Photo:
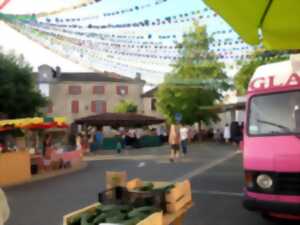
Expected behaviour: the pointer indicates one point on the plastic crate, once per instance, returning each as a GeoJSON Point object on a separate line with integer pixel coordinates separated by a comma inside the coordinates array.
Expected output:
{"type": "Point", "coordinates": [122, 196]}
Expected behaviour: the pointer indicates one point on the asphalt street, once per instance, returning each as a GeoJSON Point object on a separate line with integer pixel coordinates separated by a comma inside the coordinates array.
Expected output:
{"type": "Point", "coordinates": [215, 171]}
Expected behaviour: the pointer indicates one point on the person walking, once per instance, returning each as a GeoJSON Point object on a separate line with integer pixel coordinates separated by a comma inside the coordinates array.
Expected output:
{"type": "Point", "coordinates": [174, 141]}
{"type": "Point", "coordinates": [78, 142]}
{"type": "Point", "coordinates": [4, 208]}
{"type": "Point", "coordinates": [226, 133]}
{"type": "Point", "coordinates": [98, 138]}
{"type": "Point", "coordinates": [184, 136]}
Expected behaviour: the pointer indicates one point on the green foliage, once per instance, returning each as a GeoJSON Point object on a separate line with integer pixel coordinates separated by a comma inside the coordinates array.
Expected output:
{"type": "Point", "coordinates": [248, 67]}
{"type": "Point", "coordinates": [18, 94]}
{"type": "Point", "coordinates": [126, 106]}
{"type": "Point", "coordinates": [196, 82]}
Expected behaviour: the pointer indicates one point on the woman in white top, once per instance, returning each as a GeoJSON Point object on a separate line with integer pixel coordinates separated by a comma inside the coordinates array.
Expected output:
{"type": "Point", "coordinates": [184, 136]}
{"type": "Point", "coordinates": [226, 133]}
{"type": "Point", "coordinates": [4, 209]}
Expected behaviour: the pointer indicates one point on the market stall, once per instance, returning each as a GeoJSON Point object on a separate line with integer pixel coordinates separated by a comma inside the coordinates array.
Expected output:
{"type": "Point", "coordinates": [24, 150]}
{"type": "Point", "coordinates": [129, 121]}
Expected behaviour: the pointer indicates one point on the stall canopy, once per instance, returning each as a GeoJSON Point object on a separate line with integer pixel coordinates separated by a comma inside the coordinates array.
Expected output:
{"type": "Point", "coordinates": [276, 20]}
{"type": "Point", "coordinates": [119, 120]}
{"type": "Point", "coordinates": [33, 123]}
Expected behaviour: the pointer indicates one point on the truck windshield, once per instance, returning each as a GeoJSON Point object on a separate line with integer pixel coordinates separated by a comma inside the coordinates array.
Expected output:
{"type": "Point", "coordinates": [275, 114]}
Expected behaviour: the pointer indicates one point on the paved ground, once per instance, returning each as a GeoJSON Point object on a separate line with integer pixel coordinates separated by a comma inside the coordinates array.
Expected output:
{"type": "Point", "coordinates": [215, 171]}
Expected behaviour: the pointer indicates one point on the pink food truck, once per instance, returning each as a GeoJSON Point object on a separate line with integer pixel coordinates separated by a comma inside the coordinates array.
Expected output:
{"type": "Point", "coordinates": [272, 140]}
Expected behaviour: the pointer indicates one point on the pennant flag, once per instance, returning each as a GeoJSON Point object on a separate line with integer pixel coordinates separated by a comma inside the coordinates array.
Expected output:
{"type": "Point", "coordinates": [3, 3]}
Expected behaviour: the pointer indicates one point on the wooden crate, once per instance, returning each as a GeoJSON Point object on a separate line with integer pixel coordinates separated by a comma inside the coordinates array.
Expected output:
{"type": "Point", "coordinates": [135, 183]}
{"type": "Point", "coordinates": [115, 178]}
{"type": "Point", "coordinates": [179, 196]}
{"type": "Point", "coordinates": [154, 219]}
{"type": "Point", "coordinates": [76, 214]}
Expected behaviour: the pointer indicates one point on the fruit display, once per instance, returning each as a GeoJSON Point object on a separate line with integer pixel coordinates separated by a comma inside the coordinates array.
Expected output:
{"type": "Point", "coordinates": [114, 214]}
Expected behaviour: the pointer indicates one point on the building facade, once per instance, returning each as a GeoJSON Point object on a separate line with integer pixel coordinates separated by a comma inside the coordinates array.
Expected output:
{"type": "Point", "coordinates": [149, 104]}
{"type": "Point", "coordinates": [76, 95]}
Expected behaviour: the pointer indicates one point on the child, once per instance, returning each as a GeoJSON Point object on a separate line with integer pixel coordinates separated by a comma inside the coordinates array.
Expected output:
{"type": "Point", "coordinates": [119, 147]}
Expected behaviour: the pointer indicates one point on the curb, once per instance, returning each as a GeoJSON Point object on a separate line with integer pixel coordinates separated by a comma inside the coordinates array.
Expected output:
{"type": "Point", "coordinates": [45, 176]}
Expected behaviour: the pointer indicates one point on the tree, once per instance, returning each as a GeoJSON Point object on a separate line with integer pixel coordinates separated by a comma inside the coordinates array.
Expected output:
{"type": "Point", "coordinates": [248, 67]}
{"type": "Point", "coordinates": [196, 82]}
{"type": "Point", "coordinates": [18, 94]}
{"type": "Point", "coordinates": [126, 107]}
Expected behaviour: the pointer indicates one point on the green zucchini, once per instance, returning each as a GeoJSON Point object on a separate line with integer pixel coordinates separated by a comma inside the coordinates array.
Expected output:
{"type": "Point", "coordinates": [147, 187]}
{"type": "Point", "coordinates": [140, 210]}
{"type": "Point", "coordinates": [116, 219]}
{"type": "Point", "coordinates": [99, 219]}
{"type": "Point", "coordinates": [98, 209]}
{"type": "Point", "coordinates": [107, 208]}
{"type": "Point", "coordinates": [75, 221]}
{"type": "Point", "coordinates": [125, 208]}
{"type": "Point", "coordinates": [85, 218]}
{"type": "Point", "coordinates": [165, 189]}
{"type": "Point", "coordinates": [103, 216]}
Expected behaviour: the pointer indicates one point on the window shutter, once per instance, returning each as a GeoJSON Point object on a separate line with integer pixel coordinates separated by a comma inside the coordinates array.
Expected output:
{"type": "Point", "coordinates": [126, 90]}
{"type": "Point", "coordinates": [104, 107]}
{"type": "Point", "coordinates": [75, 106]}
{"type": "Point", "coordinates": [122, 90]}
{"type": "Point", "coordinates": [74, 90]}
{"type": "Point", "coordinates": [93, 106]}
{"type": "Point", "coordinates": [100, 90]}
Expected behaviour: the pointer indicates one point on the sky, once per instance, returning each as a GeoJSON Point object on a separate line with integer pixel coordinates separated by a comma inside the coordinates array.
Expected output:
{"type": "Point", "coordinates": [35, 6]}
{"type": "Point", "coordinates": [33, 53]}
{"type": "Point", "coordinates": [36, 54]}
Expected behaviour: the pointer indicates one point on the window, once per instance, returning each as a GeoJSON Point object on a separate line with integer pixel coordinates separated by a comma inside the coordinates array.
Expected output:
{"type": "Point", "coordinates": [153, 104]}
{"type": "Point", "coordinates": [122, 90]}
{"type": "Point", "coordinates": [275, 114]}
{"type": "Point", "coordinates": [75, 106]}
{"type": "Point", "coordinates": [74, 90]}
{"type": "Point", "coordinates": [98, 106]}
{"type": "Point", "coordinates": [98, 90]}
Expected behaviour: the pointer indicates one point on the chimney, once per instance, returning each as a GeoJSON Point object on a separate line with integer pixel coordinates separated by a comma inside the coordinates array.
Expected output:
{"type": "Point", "coordinates": [57, 72]}
{"type": "Point", "coordinates": [138, 76]}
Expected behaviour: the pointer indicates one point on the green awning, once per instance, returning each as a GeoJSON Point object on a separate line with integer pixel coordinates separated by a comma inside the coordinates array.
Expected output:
{"type": "Point", "coordinates": [277, 20]}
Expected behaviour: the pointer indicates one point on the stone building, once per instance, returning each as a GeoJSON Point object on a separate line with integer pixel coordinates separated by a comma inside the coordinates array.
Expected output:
{"type": "Point", "coordinates": [76, 95]}
{"type": "Point", "coordinates": [149, 103]}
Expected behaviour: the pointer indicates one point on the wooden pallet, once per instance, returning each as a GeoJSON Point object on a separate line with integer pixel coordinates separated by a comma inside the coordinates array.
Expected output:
{"type": "Point", "coordinates": [154, 219]}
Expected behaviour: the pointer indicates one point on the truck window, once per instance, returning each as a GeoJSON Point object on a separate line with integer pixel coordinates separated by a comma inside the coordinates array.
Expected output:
{"type": "Point", "coordinates": [275, 114]}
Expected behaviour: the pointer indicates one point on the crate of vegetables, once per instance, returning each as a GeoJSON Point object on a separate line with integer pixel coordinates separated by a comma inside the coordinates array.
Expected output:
{"type": "Point", "coordinates": [98, 214]}
{"type": "Point", "coordinates": [171, 197]}
{"type": "Point", "coordinates": [146, 195]}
